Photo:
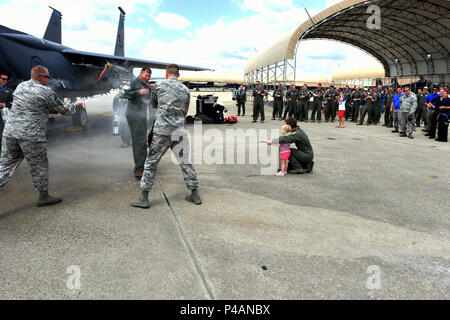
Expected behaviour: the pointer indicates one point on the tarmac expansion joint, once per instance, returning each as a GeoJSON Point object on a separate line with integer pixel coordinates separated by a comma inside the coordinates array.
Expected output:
{"type": "Point", "coordinates": [187, 245]}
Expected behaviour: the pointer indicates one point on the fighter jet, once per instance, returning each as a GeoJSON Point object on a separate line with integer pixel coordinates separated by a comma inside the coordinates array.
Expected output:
{"type": "Point", "coordinates": [75, 74]}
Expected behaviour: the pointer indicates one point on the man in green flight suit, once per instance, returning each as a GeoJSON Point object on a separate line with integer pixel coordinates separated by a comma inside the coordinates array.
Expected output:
{"type": "Point", "coordinates": [379, 104]}
{"type": "Point", "coordinates": [277, 102]}
{"type": "Point", "coordinates": [331, 98]}
{"type": "Point", "coordinates": [303, 96]}
{"type": "Point", "coordinates": [301, 160]}
{"type": "Point", "coordinates": [421, 109]}
{"type": "Point", "coordinates": [291, 102]}
{"type": "Point", "coordinates": [138, 95]}
{"type": "Point", "coordinates": [369, 108]}
{"type": "Point", "coordinates": [318, 95]}
{"type": "Point", "coordinates": [356, 103]}
{"type": "Point", "coordinates": [259, 94]}
{"type": "Point", "coordinates": [348, 102]}
{"type": "Point", "coordinates": [388, 119]}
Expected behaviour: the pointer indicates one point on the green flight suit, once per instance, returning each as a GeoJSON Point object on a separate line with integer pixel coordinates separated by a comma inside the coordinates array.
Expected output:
{"type": "Point", "coordinates": [421, 109]}
{"type": "Point", "coordinates": [136, 115]}
{"type": "Point", "coordinates": [369, 109]}
{"type": "Point", "coordinates": [291, 103]}
{"type": "Point", "coordinates": [388, 118]}
{"type": "Point", "coordinates": [317, 104]}
{"type": "Point", "coordinates": [303, 106]}
{"type": "Point", "coordinates": [379, 106]}
{"type": "Point", "coordinates": [277, 103]}
{"type": "Point", "coordinates": [348, 103]}
{"type": "Point", "coordinates": [303, 156]}
{"type": "Point", "coordinates": [330, 112]}
{"type": "Point", "coordinates": [258, 103]}
{"type": "Point", "coordinates": [356, 103]}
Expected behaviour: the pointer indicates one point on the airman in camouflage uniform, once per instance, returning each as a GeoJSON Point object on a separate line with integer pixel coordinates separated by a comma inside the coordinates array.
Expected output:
{"type": "Point", "coordinates": [317, 104]}
{"type": "Point", "coordinates": [291, 102]}
{"type": "Point", "coordinates": [137, 93]}
{"type": "Point", "coordinates": [25, 132]}
{"type": "Point", "coordinates": [408, 106]}
{"type": "Point", "coordinates": [171, 99]}
{"type": "Point", "coordinates": [5, 102]}
{"type": "Point", "coordinates": [303, 97]}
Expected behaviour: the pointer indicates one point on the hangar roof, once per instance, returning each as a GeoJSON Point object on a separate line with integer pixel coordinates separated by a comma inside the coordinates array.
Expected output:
{"type": "Point", "coordinates": [414, 38]}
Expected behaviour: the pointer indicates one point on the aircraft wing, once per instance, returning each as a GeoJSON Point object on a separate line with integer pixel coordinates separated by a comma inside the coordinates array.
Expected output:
{"type": "Point", "coordinates": [100, 59]}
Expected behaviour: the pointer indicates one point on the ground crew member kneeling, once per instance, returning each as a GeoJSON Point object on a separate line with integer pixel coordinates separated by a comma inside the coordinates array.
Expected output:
{"type": "Point", "coordinates": [301, 160]}
{"type": "Point", "coordinates": [171, 98]}
{"type": "Point", "coordinates": [24, 135]}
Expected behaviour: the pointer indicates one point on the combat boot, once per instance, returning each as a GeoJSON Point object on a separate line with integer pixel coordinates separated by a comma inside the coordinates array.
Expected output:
{"type": "Point", "coordinates": [142, 202]}
{"type": "Point", "coordinates": [297, 171]}
{"type": "Point", "coordinates": [310, 167]}
{"type": "Point", "coordinates": [410, 136]}
{"type": "Point", "coordinates": [403, 134]}
{"type": "Point", "coordinates": [194, 197]}
{"type": "Point", "coordinates": [47, 200]}
{"type": "Point", "coordinates": [395, 131]}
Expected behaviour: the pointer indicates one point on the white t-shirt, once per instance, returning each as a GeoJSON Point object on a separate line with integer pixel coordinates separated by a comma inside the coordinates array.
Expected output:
{"type": "Point", "coordinates": [341, 105]}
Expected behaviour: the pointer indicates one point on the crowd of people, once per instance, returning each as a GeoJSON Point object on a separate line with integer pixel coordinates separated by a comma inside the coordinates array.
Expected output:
{"type": "Point", "coordinates": [403, 110]}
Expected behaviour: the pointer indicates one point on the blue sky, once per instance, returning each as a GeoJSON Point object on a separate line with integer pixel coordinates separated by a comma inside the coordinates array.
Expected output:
{"type": "Point", "coordinates": [221, 35]}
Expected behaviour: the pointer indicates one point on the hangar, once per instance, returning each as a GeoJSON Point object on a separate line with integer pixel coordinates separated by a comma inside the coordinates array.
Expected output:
{"type": "Point", "coordinates": [409, 38]}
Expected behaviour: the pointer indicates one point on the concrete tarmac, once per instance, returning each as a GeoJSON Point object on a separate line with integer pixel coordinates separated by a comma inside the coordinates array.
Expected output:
{"type": "Point", "coordinates": [371, 222]}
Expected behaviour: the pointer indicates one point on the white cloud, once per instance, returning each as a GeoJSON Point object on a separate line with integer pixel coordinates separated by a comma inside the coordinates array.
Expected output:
{"type": "Point", "coordinates": [223, 45]}
{"type": "Point", "coordinates": [171, 21]}
{"type": "Point", "coordinates": [86, 26]}
{"type": "Point", "coordinates": [264, 6]}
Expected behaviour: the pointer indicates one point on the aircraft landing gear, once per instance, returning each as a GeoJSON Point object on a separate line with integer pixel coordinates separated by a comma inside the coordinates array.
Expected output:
{"type": "Point", "coordinates": [80, 118]}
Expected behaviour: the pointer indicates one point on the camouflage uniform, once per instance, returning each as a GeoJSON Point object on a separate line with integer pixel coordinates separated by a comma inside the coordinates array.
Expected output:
{"type": "Point", "coordinates": [137, 120]}
{"type": "Point", "coordinates": [408, 106]}
{"type": "Point", "coordinates": [277, 104]}
{"type": "Point", "coordinates": [317, 105]}
{"type": "Point", "coordinates": [120, 107]}
{"type": "Point", "coordinates": [24, 134]}
{"type": "Point", "coordinates": [6, 98]}
{"type": "Point", "coordinates": [303, 105]}
{"type": "Point", "coordinates": [171, 98]}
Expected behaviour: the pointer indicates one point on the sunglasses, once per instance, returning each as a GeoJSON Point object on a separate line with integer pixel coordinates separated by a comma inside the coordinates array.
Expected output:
{"type": "Point", "coordinates": [48, 77]}
{"type": "Point", "coordinates": [4, 79]}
